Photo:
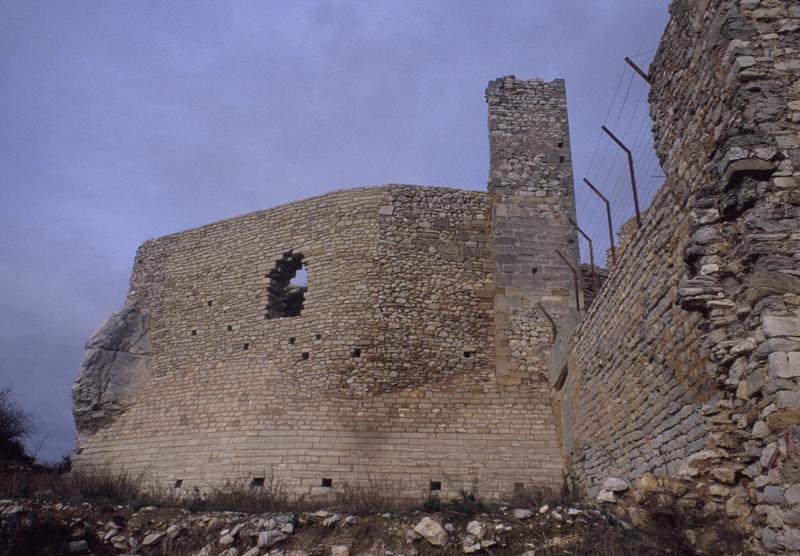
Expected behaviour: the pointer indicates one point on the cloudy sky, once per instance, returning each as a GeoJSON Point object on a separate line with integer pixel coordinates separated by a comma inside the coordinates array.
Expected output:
{"type": "Point", "coordinates": [124, 120]}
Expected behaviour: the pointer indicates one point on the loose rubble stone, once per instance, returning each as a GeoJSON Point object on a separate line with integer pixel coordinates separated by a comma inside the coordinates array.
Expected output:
{"type": "Point", "coordinates": [266, 539]}
{"type": "Point", "coordinates": [476, 529]}
{"type": "Point", "coordinates": [430, 530]}
{"type": "Point", "coordinates": [606, 497]}
{"type": "Point", "coordinates": [615, 484]}
{"type": "Point", "coordinates": [77, 547]}
{"type": "Point", "coordinates": [521, 513]}
{"type": "Point", "coordinates": [152, 539]}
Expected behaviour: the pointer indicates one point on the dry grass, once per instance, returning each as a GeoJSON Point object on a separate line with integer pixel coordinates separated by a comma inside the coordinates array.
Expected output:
{"type": "Point", "coordinates": [662, 531]}
{"type": "Point", "coordinates": [371, 497]}
{"type": "Point", "coordinates": [272, 496]}
{"type": "Point", "coordinates": [100, 486]}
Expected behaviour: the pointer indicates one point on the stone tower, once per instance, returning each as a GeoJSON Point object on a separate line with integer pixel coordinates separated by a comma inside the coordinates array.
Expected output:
{"type": "Point", "coordinates": [532, 200]}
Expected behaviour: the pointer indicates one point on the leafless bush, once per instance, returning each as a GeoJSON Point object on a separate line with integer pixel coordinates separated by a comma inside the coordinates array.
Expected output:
{"type": "Point", "coordinates": [99, 486]}
{"type": "Point", "coordinates": [536, 496]}
{"type": "Point", "coordinates": [272, 496]}
{"type": "Point", "coordinates": [15, 426]}
{"type": "Point", "coordinates": [371, 497]}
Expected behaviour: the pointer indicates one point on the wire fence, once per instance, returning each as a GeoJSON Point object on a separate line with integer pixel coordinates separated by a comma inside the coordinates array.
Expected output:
{"type": "Point", "coordinates": [628, 118]}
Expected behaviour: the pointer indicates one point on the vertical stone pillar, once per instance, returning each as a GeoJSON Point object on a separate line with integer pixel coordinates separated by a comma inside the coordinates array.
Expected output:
{"type": "Point", "coordinates": [530, 181]}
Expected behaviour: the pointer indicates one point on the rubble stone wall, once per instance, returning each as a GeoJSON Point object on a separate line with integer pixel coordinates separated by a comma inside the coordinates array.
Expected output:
{"type": "Point", "coordinates": [402, 274]}
{"type": "Point", "coordinates": [389, 374]}
{"type": "Point", "coordinates": [687, 363]}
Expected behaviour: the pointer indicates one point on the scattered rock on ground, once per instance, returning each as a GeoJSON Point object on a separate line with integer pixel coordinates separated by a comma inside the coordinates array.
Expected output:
{"type": "Point", "coordinates": [430, 530]}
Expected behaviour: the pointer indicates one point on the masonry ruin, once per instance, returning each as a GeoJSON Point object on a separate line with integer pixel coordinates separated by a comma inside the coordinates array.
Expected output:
{"type": "Point", "coordinates": [423, 349]}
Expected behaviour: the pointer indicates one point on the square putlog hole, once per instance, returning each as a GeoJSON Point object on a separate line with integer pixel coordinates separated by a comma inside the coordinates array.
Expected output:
{"type": "Point", "coordinates": [257, 482]}
{"type": "Point", "coordinates": [179, 483]}
{"type": "Point", "coordinates": [327, 483]}
{"type": "Point", "coordinates": [304, 356]}
{"type": "Point", "coordinates": [245, 347]}
{"type": "Point", "coordinates": [356, 352]}
{"type": "Point", "coordinates": [436, 485]}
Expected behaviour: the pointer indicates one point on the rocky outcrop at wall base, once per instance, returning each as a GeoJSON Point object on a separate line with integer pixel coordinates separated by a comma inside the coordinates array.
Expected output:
{"type": "Point", "coordinates": [115, 364]}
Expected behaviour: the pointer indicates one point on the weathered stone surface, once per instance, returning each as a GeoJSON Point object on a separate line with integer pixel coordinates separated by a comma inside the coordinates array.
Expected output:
{"type": "Point", "coordinates": [78, 547]}
{"type": "Point", "coordinates": [432, 531]}
{"type": "Point", "coordinates": [781, 326]}
{"type": "Point", "coordinates": [615, 484]}
{"type": "Point", "coordinates": [606, 497]}
{"type": "Point", "coordinates": [784, 365]}
{"type": "Point", "coordinates": [476, 529]}
{"type": "Point", "coordinates": [115, 365]}
{"type": "Point", "coordinates": [420, 321]}
{"type": "Point", "coordinates": [688, 346]}
{"type": "Point", "coordinates": [267, 539]}
{"type": "Point", "coordinates": [790, 539]}
{"type": "Point", "coordinates": [153, 538]}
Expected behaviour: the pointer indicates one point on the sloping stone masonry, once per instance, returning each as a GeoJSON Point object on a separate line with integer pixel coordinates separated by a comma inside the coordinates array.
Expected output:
{"type": "Point", "coordinates": [688, 363]}
{"type": "Point", "coordinates": [390, 372]}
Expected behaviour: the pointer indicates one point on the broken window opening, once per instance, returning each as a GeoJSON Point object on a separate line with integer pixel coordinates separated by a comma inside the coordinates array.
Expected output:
{"type": "Point", "coordinates": [288, 284]}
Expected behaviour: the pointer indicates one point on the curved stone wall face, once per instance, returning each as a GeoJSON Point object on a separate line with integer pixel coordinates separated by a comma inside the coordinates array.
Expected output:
{"type": "Point", "coordinates": [387, 374]}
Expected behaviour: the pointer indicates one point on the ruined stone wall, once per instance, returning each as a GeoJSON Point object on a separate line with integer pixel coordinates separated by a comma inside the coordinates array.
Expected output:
{"type": "Point", "coordinates": [402, 274]}
{"type": "Point", "coordinates": [393, 371]}
{"type": "Point", "coordinates": [530, 184]}
{"type": "Point", "coordinates": [687, 362]}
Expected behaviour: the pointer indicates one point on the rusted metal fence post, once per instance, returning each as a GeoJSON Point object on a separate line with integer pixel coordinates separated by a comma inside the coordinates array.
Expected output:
{"type": "Point", "coordinates": [591, 254]}
{"type": "Point", "coordinates": [637, 69]}
{"type": "Point", "coordinates": [552, 322]}
{"type": "Point", "coordinates": [574, 277]}
{"type": "Point", "coordinates": [630, 169]}
{"type": "Point", "coordinates": [608, 214]}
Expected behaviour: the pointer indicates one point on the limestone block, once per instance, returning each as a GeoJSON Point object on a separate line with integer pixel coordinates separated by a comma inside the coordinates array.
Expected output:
{"type": "Point", "coordinates": [432, 531]}
{"type": "Point", "coordinates": [781, 326]}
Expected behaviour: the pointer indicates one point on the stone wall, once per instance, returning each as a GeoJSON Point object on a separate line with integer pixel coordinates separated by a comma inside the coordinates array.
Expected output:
{"type": "Point", "coordinates": [391, 372]}
{"type": "Point", "coordinates": [530, 183]}
{"type": "Point", "coordinates": [687, 363]}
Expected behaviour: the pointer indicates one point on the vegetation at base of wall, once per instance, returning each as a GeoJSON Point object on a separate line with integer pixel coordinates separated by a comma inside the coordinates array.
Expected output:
{"type": "Point", "coordinates": [272, 496]}
{"type": "Point", "coordinates": [50, 484]}
{"type": "Point", "coordinates": [369, 497]}
{"type": "Point", "coordinates": [663, 527]}
{"type": "Point", "coordinates": [16, 425]}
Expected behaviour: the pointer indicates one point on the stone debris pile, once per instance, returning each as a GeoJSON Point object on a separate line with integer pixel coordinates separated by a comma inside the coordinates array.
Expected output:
{"type": "Point", "coordinates": [150, 530]}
